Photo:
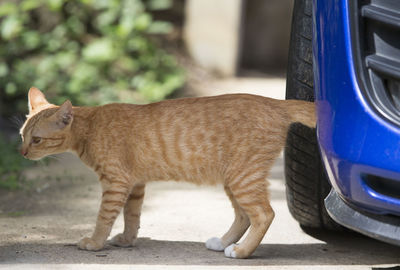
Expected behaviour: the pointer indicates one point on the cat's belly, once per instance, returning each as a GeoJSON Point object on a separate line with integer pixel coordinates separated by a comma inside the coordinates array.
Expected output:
{"type": "Point", "coordinates": [197, 174]}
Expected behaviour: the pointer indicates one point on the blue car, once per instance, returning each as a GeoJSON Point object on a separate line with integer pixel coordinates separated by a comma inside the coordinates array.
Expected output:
{"type": "Point", "coordinates": [345, 56]}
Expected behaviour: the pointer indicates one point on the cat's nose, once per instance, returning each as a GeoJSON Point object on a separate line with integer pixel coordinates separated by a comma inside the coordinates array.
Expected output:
{"type": "Point", "coordinates": [24, 151]}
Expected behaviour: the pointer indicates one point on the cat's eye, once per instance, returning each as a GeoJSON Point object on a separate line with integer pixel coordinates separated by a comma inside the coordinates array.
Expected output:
{"type": "Point", "coordinates": [36, 140]}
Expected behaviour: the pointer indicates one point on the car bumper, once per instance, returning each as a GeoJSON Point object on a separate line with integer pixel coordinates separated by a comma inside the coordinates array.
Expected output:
{"type": "Point", "coordinates": [357, 144]}
{"type": "Point", "coordinates": [384, 228]}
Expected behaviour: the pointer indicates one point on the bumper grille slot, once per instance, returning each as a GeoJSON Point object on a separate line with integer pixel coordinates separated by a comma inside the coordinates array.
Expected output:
{"type": "Point", "coordinates": [393, 88]}
{"type": "Point", "coordinates": [376, 48]}
{"type": "Point", "coordinates": [383, 65]}
{"type": "Point", "coordinates": [381, 14]}
{"type": "Point", "coordinates": [385, 186]}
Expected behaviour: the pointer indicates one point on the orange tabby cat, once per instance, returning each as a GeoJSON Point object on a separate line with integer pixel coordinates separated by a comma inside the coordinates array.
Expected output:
{"type": "Point", "coordinates": [228, 139]}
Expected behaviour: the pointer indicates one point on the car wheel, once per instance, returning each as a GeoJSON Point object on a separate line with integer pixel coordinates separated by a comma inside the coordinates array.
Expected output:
{"type": "Point", "coordinates": [306, 182]}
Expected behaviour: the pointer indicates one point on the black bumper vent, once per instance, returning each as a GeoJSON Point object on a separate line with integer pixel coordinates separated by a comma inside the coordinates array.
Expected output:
{"type": "Point", "coordinates": [385, 186]}
{"type": "Point", "coordinates": [376, 45]}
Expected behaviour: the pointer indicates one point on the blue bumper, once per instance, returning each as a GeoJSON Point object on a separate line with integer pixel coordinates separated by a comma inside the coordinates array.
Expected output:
{"type": "Point", "coordinates": [355, 140]}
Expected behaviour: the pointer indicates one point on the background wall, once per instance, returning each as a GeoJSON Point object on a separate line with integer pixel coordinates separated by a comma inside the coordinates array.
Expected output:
{"type": "Point", "coordinates": [265, 35]}
{"type": "Point", "coordinates": [234, 36]}
{"type": "Point", "coordinates": [212, 33]}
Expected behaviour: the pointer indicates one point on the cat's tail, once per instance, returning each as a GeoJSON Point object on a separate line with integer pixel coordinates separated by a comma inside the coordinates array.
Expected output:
{"type": "Point", "coordinates": [301, 111]}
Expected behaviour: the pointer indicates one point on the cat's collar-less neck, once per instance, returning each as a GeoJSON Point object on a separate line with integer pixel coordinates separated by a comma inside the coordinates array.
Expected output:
{"type": "Point", "coordinates": [83, 118]}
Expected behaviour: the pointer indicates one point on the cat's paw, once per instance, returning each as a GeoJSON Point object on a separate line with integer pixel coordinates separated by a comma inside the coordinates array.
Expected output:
{"type": "Point", "coordinates": [230, 251]}
{"type": "Point", "coordinates": [89, 244]}
{"type": "Point", "coordinates": [121, 240]}
{"type": "Point", "coordinates": [215, 244]}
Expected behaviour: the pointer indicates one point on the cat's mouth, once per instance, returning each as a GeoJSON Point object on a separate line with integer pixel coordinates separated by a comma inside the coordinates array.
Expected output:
{"type": "Point", "coordinates": [31, 157]}
{"type": "Point", "coordinates": [34, 159]}
{"type": "Point", "coordinates": [24, 151]}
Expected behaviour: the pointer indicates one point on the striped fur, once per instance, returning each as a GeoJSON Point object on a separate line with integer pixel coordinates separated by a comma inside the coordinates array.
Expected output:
{"type": "Point", "coordinates": [231, 140]}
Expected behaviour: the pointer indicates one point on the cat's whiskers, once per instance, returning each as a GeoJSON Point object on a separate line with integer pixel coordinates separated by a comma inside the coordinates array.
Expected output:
{"type": "Point", "coordinates": [58, 158]}
{"type": "Point", "coordinates": [41, 163]}
{"type": "Point", "coordinates": [17, 121]}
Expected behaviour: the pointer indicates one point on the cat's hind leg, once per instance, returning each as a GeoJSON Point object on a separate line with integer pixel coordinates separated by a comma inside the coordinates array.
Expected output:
{"type": "Point", "coordinates": [132, 211]}
{"type": "Point", "coordinates": [251, 195]}
{"type": "Point", "coordinates": [236, 231]}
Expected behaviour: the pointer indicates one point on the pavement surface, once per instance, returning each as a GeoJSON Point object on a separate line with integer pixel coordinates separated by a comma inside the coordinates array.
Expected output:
{"type": "Point", "coordinates": [40, 226]}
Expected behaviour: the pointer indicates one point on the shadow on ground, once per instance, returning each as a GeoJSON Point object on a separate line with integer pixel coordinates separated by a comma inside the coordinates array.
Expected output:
{"type": "Point", "coordinates": [60, 215]}
{"type": "Point", "coordinates": [340, 249]}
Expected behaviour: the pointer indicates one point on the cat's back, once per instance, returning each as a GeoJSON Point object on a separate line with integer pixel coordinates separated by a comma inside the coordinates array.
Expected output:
{"type": "Point", "coordinates": [230, 105]}
{"type": "Point", "coordinates": [216, 102]}
{"type": "Point", "coordinates": [207, 112]}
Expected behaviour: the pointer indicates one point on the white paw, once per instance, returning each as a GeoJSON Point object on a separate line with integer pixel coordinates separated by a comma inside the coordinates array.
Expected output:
{"type": "Point", "coordinates": [121, 240]}
{"type": "Point", "coordinates": [230, 252]}
{"type": "Point", "coordinates": [214, 244]}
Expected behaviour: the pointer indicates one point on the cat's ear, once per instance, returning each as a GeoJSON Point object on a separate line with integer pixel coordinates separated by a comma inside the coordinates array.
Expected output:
{"type": "Point", "coordinates": [36, 99]}
{"type": "Point", "coordinates": [64, 115]}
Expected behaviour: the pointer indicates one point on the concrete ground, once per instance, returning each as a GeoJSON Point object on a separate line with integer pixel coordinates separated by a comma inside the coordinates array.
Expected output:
{"type": "Point", "coordinates": [39, 229]}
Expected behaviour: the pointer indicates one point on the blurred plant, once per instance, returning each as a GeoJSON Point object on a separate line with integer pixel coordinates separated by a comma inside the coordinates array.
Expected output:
{"type": "Point", "coordinates": [11, 163]}
{"type": "Point", "coordinates": [89, 51]}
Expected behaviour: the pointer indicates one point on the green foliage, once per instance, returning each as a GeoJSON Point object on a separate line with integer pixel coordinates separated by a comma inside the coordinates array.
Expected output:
{"type": "Point", "coordinates": [11, 163]}
{"type": "Point", "coordinates": [89, 51]}
{"type": "Point", "coordinates": [13, 214]}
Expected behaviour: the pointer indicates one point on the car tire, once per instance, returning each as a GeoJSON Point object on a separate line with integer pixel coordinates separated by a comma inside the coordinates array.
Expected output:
{"type": "Point", "coordinates": [306, 182]}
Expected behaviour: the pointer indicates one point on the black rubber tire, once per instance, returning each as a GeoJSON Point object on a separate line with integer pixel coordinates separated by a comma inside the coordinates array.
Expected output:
{"type": "Point", "coordinates": [300, 77]}
{"type": "Point", "coordinates": [306, 182]}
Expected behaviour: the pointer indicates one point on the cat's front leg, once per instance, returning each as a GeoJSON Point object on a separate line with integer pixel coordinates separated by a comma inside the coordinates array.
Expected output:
{"type": "Point", "coordinates": [132, 211]}
{"type": "Point", "coordinates": [115, 194]}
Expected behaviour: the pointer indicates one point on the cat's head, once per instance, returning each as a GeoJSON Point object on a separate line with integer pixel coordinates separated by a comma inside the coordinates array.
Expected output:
{"type": "Point", "coordinates": [46, 130]}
